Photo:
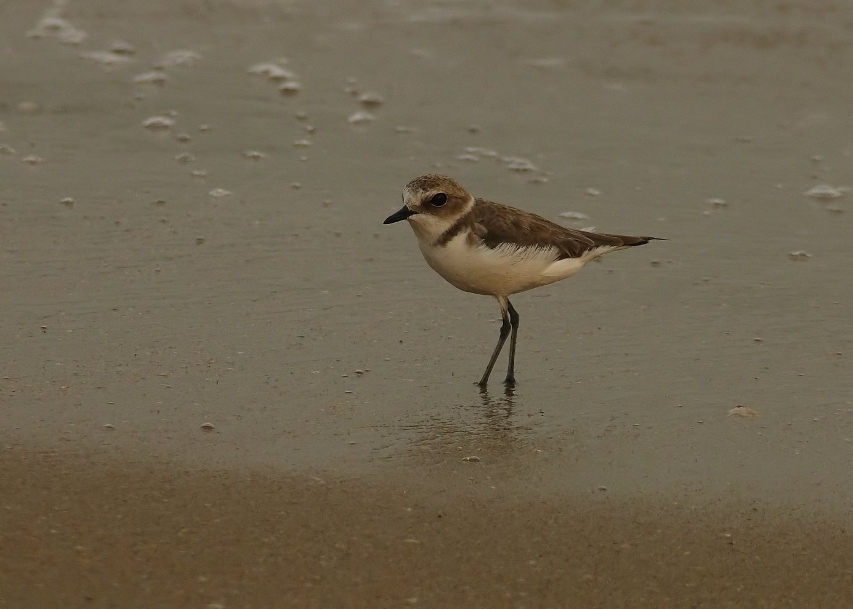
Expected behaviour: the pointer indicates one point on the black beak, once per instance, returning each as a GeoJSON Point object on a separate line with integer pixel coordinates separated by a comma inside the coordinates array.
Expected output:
{"type": "Point", "coordinates": [404, 213]}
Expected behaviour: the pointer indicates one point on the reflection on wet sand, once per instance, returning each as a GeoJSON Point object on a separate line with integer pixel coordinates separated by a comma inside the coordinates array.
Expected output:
{"type": "Point", "coordinates": [498, 411]}
{"type": "Point", "coordinates": [485, 427]}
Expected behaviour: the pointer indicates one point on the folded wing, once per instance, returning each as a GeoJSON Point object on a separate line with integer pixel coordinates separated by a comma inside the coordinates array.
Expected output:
{"type": "Point", "coordinates": [498, 225]}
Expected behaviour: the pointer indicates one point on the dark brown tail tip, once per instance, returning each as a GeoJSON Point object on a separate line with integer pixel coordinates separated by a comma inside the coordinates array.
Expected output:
{"type": "Point", "coordinates": [644, 240]}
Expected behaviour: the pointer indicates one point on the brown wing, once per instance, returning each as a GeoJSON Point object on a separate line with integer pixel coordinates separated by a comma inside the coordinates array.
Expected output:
{"type": "Point", "coordinates": [496, 224]}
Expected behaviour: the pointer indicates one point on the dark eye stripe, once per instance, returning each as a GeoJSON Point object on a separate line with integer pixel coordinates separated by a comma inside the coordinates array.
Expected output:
{"type": "Point", "coordinates": [438, 200]}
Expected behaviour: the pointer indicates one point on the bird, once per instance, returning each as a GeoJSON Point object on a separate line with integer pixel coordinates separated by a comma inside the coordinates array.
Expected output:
{"type": "Point", "coordinates": [492, 249]}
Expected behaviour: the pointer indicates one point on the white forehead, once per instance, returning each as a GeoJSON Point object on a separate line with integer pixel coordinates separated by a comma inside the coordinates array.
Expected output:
{"type": "Point", "coordinates": [413, 195]}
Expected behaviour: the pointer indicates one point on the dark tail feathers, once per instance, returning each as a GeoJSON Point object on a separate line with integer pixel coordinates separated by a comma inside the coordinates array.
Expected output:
{"type": "Point", "coordinates": [632, 241]}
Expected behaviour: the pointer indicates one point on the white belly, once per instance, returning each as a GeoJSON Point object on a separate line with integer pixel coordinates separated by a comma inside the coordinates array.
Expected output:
{"type": "Point", "coordinates": [500, 271]}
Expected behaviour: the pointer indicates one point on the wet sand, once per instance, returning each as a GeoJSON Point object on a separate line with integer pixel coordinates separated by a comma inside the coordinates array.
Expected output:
{"type": "Point", "coordinates": [130, 534]}
{"type": "Point", "coordinates": [232, 270]}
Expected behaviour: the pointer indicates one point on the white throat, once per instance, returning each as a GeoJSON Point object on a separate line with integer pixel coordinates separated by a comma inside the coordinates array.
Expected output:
{"type": "Point", "coordinates": [429, 227]}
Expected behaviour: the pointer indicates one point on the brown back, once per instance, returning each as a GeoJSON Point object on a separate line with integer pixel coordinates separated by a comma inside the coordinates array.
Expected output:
{"type": "Point", "coordinates": [497, 224]}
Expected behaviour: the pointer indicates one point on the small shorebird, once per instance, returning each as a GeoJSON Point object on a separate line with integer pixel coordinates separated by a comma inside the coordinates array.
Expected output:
{"type": "Point", "coordinates": [488, 248]}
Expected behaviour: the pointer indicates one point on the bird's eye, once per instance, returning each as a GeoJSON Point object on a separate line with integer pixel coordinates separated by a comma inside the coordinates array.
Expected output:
{"type": "Point", "coordinates": [438, 200]}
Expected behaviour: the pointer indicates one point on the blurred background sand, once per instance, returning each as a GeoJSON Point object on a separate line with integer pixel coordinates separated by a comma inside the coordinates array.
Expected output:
{"type": "Point", "coordinates": [224, 383]}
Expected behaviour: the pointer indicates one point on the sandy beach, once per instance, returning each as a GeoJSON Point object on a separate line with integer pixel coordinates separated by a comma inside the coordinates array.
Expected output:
{"type": "Point", "coordinates": [226, 384]}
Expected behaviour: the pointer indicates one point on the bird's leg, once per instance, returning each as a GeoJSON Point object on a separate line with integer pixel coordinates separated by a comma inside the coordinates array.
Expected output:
{"type": "Point", "coordinates": [505, 328]}
{"type": "Point", "coordinates": [513, 320]}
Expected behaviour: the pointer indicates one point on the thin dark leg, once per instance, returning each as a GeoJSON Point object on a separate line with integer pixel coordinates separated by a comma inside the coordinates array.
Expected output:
{"type": "Point", "coordinates": [513, 319]}
{"type": "Point", "coordinates": [505, 328]}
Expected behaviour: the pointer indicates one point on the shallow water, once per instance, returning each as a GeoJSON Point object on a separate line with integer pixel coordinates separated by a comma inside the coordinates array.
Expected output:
{"type": "Point", "coordinates": [152, 306]}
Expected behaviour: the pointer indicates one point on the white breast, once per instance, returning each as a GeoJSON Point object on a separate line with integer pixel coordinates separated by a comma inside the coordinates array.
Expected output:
{"type": "Point", "coordinates": [504, 270]}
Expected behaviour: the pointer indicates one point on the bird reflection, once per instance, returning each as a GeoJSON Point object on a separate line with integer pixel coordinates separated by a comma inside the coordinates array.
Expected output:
{"type": "Point", "coordinates": [485, 427]}
{"type": "Point", "coordinates": [498, 411]}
